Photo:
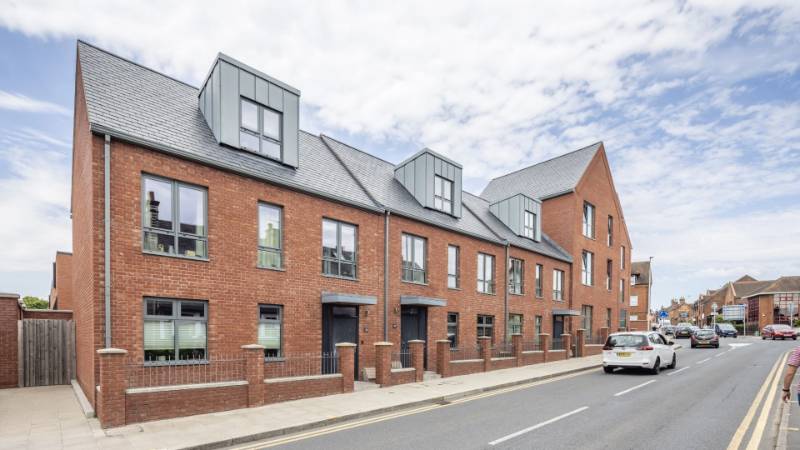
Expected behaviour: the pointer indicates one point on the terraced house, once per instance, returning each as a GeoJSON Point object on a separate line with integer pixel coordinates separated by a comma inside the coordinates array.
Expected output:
{"type": "Point", "coordinates": [205, 219]}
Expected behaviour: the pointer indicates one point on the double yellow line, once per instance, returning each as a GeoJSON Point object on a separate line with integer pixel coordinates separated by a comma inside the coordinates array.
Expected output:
{"type": "Point", "coordinates": [768, 388]}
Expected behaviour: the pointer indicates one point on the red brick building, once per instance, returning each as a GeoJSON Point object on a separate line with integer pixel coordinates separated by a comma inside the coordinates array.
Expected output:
{"type": "Point", "coordinates": [61, 288]}
{"type": "Point", "coordinates": [641, 284]}
{"type": "Point", "coordinates": [206, 219]}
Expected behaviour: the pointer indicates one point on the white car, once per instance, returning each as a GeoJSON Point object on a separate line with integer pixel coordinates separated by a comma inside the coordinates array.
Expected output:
{"type": "Point", "coordinates": [642, 349]}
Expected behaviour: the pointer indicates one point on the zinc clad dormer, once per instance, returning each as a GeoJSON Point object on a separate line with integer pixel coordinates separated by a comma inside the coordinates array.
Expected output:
{"type": "Point", "coordinates": [249, 110]}
{"type": "Point", "coordinates": [522, 214]}
{"type": "Point", "coordinates": [434, 181]}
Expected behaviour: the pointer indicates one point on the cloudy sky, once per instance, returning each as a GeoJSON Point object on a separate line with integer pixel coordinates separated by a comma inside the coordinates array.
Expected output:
{"type": "Point", "coordinates": [697, 102]}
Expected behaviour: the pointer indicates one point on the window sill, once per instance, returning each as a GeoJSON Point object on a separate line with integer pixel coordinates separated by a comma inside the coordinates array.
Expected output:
{"type": "Point", "coordinates": [454, 288]}
{"type": "Point", "coordinates": [540, 297]}
{"type": "Point", "coordinates": [170, 255]}
{"type": "Point", "coordinates": [415, 282]}
{"type": "Point", "coordinates": [274, 269]}
{"type": "Point", "coordinates": [522, 294]}
{"type": "Point", "coordinates": [494, 294]}
{"type": "Point", "coordinates": [337, 277]}
{"type": "Point", "coordinates": [276, 359]}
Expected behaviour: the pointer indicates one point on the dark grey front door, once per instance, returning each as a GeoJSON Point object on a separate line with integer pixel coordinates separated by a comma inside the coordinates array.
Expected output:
{"type": "Point", "coordinates": [558, 326]}
{"type": "Point", "coordinates": [339, 324]}
{"type": "Point", "coordinates": [414, 325]}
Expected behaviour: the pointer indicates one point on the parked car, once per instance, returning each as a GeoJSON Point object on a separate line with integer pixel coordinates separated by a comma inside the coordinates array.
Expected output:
{"type": "Point", "coordinates": [694, 329]}
{"type": "Point", "coordinates": [668, 330]}
{"type": "Point", "coordinates": [707, 338]}
{"type": "Point", "coordinates": [683, 331]}
{"type": "Point", "coordinates": [776, 331]}
{"type": "Point", "coordinates": [638, 349]}
{"type": "Point", "coordinates": [726, 330]}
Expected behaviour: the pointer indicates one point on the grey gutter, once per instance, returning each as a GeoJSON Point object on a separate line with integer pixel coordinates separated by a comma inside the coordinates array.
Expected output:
{"type": "Point", "coordinates": [107, 237]}
{"type": "Point", "coordinates": [172, 151]}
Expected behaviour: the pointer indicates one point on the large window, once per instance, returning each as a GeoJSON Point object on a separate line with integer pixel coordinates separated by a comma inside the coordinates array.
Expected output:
{"type": "Point", "coordinates": [621, 290]}
{"type": "Point", "coordinates": [339, 249]}
{"type": "Point", "coordinates": [486, 326]}
{"type": "Point", "coordinates": [260, 129]}
{"type": "Point", "coordinates": [785, 307]}
{"type": "Point", "coordinates": [414, 259]}
{"type": "Point", "coordinates": [453, 267]}
{"type": "Point", "coordinates": [587, 266]}
{"type": "Point", "coordinates": [485, 273]}
{"type": "Point", "coordinates": [270, 322]}
{"type": "Point", "coordinates": [174, 330]}
{"type": "Point", "coordinates": [174, 218]}
{"type": "Point", "coordinates": [634, 300]}
{"type": "Point", "coordinates": [588, 220]}
{"type": "Point", "coordinates": [443, 194]}
{"type": "Point", "coordinates": [452, 329]}
{"type": "Point", "coordinates": [539, 274]}
{"type": "Point", "coordinates": [622, 257]}
{"type": "Point", "coordinates": [558, 284]}
{"type": "Point", "coordinates": [270, 236]}
{"type": "Point", "coordinates": [516, 275]}
{"type": "Point", "coordinates": [608, 318]}
{"type": "Point", "coordinates": [586, 313]}
{"type": "Point", "coordinates": [609, 271]}
{"type": "Point", "coordinates": [529, 225]}
{"type": "Point", "coordinates": [623, 318]}
{"type": "Point", "coordinates": [537, 327]}
{"type": "Point", "coordinates": [515, 324]}
{"type": "Point", "coordinates": [610, 239]}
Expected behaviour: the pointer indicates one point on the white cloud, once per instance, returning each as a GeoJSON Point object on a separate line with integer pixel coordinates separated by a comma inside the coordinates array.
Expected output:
{"type": "Point", "coordinates": [500, 85]}
{"type": "Point", "coordinates": [18, 102]}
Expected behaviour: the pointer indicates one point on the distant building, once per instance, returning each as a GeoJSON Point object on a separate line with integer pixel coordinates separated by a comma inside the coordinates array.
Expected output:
{"type": "Point", "coordinates": [641, 282]}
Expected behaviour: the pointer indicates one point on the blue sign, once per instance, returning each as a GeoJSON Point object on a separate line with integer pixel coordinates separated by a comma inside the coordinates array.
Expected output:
{"type": "Point", "coordinates": [663, 315]}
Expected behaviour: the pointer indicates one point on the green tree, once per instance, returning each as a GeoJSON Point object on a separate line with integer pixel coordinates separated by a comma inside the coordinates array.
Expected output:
{"type": "Point", "coordinates": [32, 302]}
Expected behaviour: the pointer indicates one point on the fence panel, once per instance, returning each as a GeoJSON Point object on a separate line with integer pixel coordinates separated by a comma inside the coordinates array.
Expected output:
{"type": "Point", "coordinates": [141, 374]}
{"type": "Point", "coordinates": [48, 352]}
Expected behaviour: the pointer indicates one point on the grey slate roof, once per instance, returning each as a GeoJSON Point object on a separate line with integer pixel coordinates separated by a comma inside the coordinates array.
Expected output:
{"type": "Point", "coordinates": [781, 285]}
{"type": "Point", "coordinates": [135, 103]}
{"type": "Point", "coordinates": [543, 180]}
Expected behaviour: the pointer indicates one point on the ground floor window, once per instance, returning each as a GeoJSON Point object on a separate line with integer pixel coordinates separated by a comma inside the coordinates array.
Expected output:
{"type": "Point", "coordinates": [175, 330]}
{"type": "Point", "coordinates": [486, 326]}
{"type": "Point", "coordinates": [515, 323]}
{"type": "Point", "coordinates": [586, 312]}
{"type": "Point", "coordinates": [452, 329]}
{"type": "Point", "coordinates": [623, 318]}
{"type": "Point", "coordinates": [537, 326]}
{"type": "Point", "coordinates": [270, 324]}
{"type": "Point", "coordinates": [608, 318]}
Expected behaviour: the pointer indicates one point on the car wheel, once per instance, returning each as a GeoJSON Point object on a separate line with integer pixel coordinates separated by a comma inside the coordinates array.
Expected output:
{"type": "Point", "coordinates": [763, 338]}
{"type": "Point", "coordinates": [656, 367]}
{"type": "Point", "coordinates": [773, 338]}
{"type": "Point", "coordinates": [674, 362]}
{"type": "Point", "coordinates": [716, 346]}
{"type": "Point", "coordinates": [608, 369]}
{"type": "Point", "coordinates": [693, 346]}
{"type": "Point", "coordinates": [794, 338]}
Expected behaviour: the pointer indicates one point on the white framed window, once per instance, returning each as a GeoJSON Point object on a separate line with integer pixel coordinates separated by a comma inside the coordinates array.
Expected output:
{"type": "Point", "coordinates": [587, 266]}
{"type": "Point", "coordinates": [634, 317]}
{"type": "Point", "coordinates": [485, 273]}
{"type": "Point", "coordinates": [529, 225]}
{"type": "Point", "coordinates": [634, 301]}
{"type": "Point", "coordinates": [588, 220]}
{"type": "Point", "coordinates": [453, 267]}
{"type": "Point", "coordinates": [558, 285]}
{"type": "Point", "coordinates": [443, 194]}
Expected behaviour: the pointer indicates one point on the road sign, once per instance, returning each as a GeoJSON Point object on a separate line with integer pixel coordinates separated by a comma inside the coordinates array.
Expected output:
{"type": "Point", "coordinates": [733, 312]}
{"type": "Point", "coordinates": [663, 315]}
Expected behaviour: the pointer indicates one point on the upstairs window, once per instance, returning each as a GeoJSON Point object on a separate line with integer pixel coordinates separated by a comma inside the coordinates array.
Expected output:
{"type": "Point", "coordinates": [339, 249]}
{"type": "Point", "coordinates": [453, 269]}
{"type": "Point", "coordinates": [163, 202]}
{"type": "Point", "coordinates": [558, 285]}
{"type": "Point", "coordinates": [516, 275]}
{"type": "Point", "coordinates": [609, 270]}
{"type": "Point", "coordinates": [610, 239]}
{"type": "Point", "coordinates": [529, 225]}
{"type": "Point", "coordinates": [260, 129]}
{"type": "Point", "coordinates": [443, 194]}
{"type": "Point", "coordinates": [414, 259]}
{"type": "Point", "coordinates": [588, 220]}
{"type": "Point", "coordinates": [539, 273]}
{"type": "Point", "coordinates": [622, 290]}
{"type": "Point", "coordinates": [270, 324]}
{"type": "Point", "coordinates": [485, 273]}
{"type": "Point", "coordinates": [587, 266]}
{"type": "Point", "coordinates": [622, 257]}
{"type": "Point", "coordinates": [270, 236]}
{"type": "Point", "coordinates": [174, 330]}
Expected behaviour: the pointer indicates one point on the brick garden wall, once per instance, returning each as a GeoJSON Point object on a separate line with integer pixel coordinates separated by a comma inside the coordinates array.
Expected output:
{"type": "Point", "coordinates": [143, 407]}
{"type": "Point", "coordinates": [9, 357]}
{"type": "Point", "coordinates": [285, 389]}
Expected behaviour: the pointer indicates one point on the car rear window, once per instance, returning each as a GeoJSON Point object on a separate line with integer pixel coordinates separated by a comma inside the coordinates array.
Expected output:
{"type": "Point", "coordinates": [725, 326]}
{"type": "Point", "coordinates": [626, 340]}
{"type": "Point", "coordinates": [705, 333]}
{"type": "Point", "coordinates": [781, 327]}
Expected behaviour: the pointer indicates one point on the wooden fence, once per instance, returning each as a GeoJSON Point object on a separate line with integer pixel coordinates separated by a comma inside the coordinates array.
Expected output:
{"type": "Point", "coordinates": [47, 352]}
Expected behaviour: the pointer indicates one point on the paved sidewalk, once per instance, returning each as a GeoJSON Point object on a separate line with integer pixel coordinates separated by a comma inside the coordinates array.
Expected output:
{"type": "Point", "coordinates": [51, 418]}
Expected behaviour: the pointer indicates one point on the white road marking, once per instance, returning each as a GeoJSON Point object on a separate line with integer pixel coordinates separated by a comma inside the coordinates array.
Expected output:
{"type": "Point", "coordinates": [703, 360]}
{"type": "Point", "coordinates": [538, 425]}
{"type": "Point", "coordinates": [740, 345]}
{"type": "Point", "coordinates": [633, 388]}
{"type": "Point", "coordinates": [719, 354]}
{"type": "Point", "coordinates": [677, 371]}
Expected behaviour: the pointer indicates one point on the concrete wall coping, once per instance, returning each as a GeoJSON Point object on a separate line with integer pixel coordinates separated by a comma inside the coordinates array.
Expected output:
{"type": "Point", "coordinates": [9, 295]}
{"type": "Point", "coordinates": [414, 341]}
{"type": "Point", "coordinates": [303, 378]}
{"type": "Point", "coordinates": [253, 347]}
{"type": "Point", "coordinates": [544, 334]}
{"type": "Point", "coordinates": [581, 329]}
{"type": "Point", "coordinates": [483, 338]}
{"type": "Point", "coordinates": [112, 351]}
{"type": "Point", "coordinates": [405, 369]}
{"type": "Point", "coordinates": [502, 358]}
{"type": "Point", "coordinates": [383, 344]}
{"type": "Point", "coordinates": [461, 361]}
{"type": "Point", "coordinates": [553, 351]}
{"type": "Point", "coordinates": [345, 344]}
{"type": "Point", "coordinates": [444, 340]}
{"type": "Point", "coordinates": [528, 352]}
{"type": "Point", "coordinates": [183, 387]}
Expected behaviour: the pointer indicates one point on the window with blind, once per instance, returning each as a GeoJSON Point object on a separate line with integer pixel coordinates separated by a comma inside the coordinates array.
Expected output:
{"type": "Point", "coordinates": [175, 330]}
{"type": "Point", "coordinates": [270, 323]}
{"type": "Point", "coordinates": [515, 323]}
{"type": "Point", "coordinates": [270, 236]}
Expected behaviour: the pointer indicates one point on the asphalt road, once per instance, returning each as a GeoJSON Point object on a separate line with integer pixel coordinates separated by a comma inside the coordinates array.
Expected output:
{"type": "Point", "coordinates": [698, 405]}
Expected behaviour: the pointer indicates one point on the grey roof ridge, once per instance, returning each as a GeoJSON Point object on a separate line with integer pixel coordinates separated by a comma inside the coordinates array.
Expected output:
{"type": "Point", "coordinates": [325, 136]}
{"type": "Point", "coordinates": [149, 69]}
{"type": "Point", "coordinates": [350, 172]}
{"type": "Point", "coordinates": [100, 129]}
{"type": "Point", "coordinates": [546, 160]}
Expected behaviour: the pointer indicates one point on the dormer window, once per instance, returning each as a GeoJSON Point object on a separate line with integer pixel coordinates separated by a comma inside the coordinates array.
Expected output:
{"type": "Point", "coordinates": [260, 129]}
{"type": "Point", "coordinates": [443, 194]}
{"type": "Point", "coordinates": [529, 226]}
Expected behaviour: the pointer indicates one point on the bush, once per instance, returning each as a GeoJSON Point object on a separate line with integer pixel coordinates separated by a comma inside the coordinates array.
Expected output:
{"type": "Point", "coordinates": [31, 302]}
